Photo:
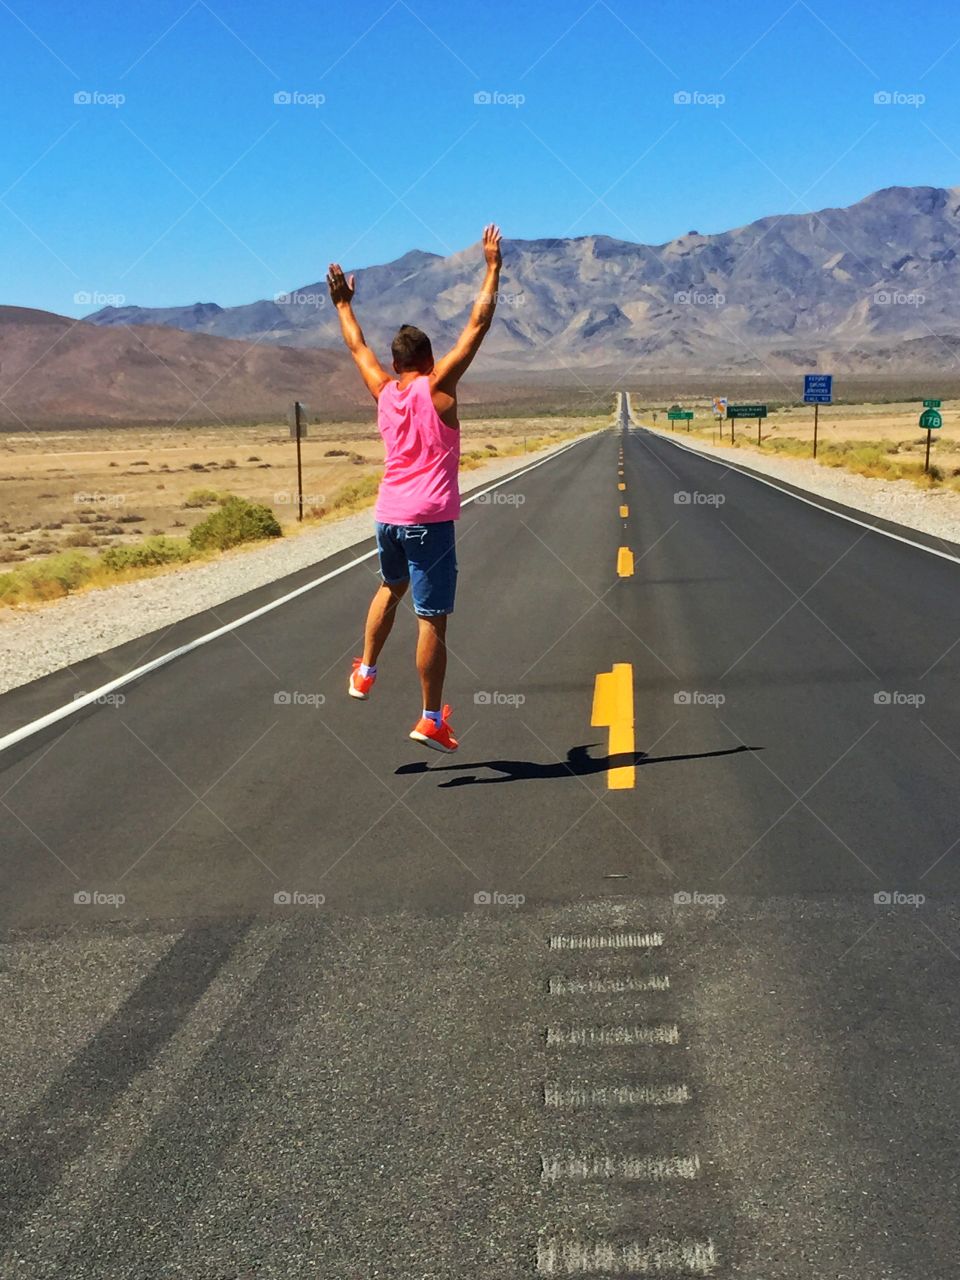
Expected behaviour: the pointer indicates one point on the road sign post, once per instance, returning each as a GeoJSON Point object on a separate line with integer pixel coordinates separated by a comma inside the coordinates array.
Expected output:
{"type": "Point", "coordinates": [298, 431]}
{"type": "Point", "coordinates": [734, 411]}
{"type": "Point", "coordinates": [931, 420]}
{"type": "Point", "coordinates": [817, 390]}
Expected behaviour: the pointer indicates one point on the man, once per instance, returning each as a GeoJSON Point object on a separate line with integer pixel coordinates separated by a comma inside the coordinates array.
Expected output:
{"type": "Point", "coordinates": [419, 497]}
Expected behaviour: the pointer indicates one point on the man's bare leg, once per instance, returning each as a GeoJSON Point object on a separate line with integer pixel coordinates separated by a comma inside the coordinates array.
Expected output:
{"type": "Point", "coordinates": [380, 619]}
{"type": "Point", "coordinates": [432, 660]}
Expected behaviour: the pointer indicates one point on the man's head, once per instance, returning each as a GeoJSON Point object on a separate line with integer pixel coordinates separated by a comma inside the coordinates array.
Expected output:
{"type": "Point", "coordinates": [412, 352]}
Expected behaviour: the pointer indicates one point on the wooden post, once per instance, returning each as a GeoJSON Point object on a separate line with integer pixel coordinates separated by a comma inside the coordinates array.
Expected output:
{"type": "Point", "coordinates": [296, 418]}
{"type": "Point", "coordinates": [759, 421]}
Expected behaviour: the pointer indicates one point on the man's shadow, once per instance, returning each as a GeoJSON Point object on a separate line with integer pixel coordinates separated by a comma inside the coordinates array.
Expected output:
{"type": "Point", "coordinates": [578, 764]}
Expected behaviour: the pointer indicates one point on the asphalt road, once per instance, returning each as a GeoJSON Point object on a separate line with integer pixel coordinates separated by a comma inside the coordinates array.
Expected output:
{"type": "Point", "coordinates": [330, 1006]}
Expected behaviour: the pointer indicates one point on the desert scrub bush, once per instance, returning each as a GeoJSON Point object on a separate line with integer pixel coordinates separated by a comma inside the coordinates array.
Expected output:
{"type": "Point", "coordinates": [237, 521]}
{"type": "Point", "coordinates": [356, 493]}
{"type": "Point", "coordinates": [202, 498]}
{"type": "Point", "coordinates": [81, 538]}
{"type": "Point", "coordinates": [48, 579]}
{"type": "Point", "coordinates": [146, 554]}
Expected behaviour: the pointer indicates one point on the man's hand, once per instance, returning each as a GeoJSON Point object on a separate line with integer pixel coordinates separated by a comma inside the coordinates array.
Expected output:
{"type": "Point", "coordinates": [450, 368]}
{"type": "Point", "coordinates": [491, 245]}
{"type": "Point", "coordinates": [341, 289]}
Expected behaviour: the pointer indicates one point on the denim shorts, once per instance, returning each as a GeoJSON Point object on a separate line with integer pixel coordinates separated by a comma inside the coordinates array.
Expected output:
{"type": "Point", "coordinates": [426, 555]}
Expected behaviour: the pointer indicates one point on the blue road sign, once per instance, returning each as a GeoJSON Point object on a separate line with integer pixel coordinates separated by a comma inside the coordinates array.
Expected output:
{"type": "Point", "coordinates": [818, 388]}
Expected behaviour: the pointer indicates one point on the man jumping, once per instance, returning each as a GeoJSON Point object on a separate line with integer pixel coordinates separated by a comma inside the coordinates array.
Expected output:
{"type": "Point", "coordinates": [419, 496]}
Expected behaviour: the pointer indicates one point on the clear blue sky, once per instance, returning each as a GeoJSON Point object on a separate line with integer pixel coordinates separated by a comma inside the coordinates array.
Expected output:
{"type": "Point", "coordinates": [200, 187]}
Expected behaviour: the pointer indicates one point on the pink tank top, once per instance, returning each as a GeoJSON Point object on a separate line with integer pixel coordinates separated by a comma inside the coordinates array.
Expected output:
{"type": "Point", "coordinates": [420, 478]}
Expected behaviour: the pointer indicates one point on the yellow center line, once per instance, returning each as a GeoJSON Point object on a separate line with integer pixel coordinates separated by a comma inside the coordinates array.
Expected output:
{"type": "Point", "coordinates": [624, 512]}
{"type": "Point", "coordinates": [621, 486]}
{"type": "Point", "coordinates": [613, 709]}
{"type": "Point", "coordinates": [625, 562]}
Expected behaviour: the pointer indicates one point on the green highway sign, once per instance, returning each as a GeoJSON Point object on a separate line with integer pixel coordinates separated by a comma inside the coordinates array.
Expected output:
{"type": "Point", "coordinates": [930, 420]}
{"type": "Point", "coordinates": [679, 415]}
{"type": "Point", "coordinates": [931, 404]}
{"type": "Point", "coordinates": [746, 410]}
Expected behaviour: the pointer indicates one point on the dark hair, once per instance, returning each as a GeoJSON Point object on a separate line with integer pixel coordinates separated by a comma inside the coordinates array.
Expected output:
{"type": "Point", "coordinates": [411, 349]}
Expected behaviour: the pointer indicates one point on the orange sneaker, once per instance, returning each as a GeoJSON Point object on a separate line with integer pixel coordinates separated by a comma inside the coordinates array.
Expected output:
{"type": "Point", "coordinates": [359, 686]}
{"type": "Point", "coordinates": [438, 737]}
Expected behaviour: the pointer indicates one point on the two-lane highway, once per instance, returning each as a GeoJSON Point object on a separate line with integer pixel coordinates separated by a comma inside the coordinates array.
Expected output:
{"type": "Point", "coordinates": [657, 974]}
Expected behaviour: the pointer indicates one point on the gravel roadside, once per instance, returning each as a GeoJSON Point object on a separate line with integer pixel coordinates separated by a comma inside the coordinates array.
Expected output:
{"type": "Point", "coordinates": [38, 639]}
{"type": "Point", "coordinates": [932, 511]}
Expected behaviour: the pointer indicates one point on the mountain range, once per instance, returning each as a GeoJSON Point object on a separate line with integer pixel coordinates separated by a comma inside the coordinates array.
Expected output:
{"type": "Point", "coordinates": [854, 284]}
{"type": "Point", "coordinates": [872, 290]}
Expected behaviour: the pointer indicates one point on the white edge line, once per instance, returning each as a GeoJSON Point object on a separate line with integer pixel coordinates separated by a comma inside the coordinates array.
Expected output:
{"type": "Point", "coordinates": [36, 726]}
{"type": "Point", "coordinates": [771, 484]}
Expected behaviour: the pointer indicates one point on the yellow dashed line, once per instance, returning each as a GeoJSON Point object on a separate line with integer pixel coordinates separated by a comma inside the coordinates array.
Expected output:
{"type": "Point", "coordinates": [624, 512]}
{"type": "Point", "coordinates": [625, 562]}
{"type": "Point", "coordinates": [613, 709]}
{"type": "Point", "coordinates": [621, 486]}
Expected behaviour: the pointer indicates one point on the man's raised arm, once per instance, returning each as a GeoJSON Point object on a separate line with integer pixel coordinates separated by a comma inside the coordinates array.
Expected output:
{"type": "Point", "coordinates": [451, 367]}
{"type": "Point", "coordinates": [341, 292]}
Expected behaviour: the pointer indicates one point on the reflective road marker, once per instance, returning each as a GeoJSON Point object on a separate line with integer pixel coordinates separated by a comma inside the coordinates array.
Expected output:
{"type": "Point", "coordinates": [604, 1037]}
{"type": "Point", "coordinates": [604, 941]}
{"type": "Point", "coordinates": [627, 1168]}
{"type": "Point", "coordinates": [597, 984]}
{"type": "Point", "coordinates": [576, 1097]}
{"type": "Point", "coordinates": [657, 1256]}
